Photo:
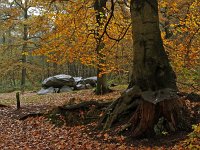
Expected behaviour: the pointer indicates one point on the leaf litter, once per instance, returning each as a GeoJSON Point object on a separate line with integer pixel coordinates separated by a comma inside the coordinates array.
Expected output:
{"type": "Point", "coordinates": [39, 133]}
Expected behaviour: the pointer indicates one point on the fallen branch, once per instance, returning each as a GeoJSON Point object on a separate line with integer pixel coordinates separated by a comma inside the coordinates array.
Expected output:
{"type": "Point", "coordinates": [1, 105]}
{"type": "Point", "coordinates": [86, 104]}
{"type": "Point", "coordinates": [31, 115]}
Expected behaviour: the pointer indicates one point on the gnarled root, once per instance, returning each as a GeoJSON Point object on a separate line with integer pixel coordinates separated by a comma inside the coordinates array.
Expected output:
{"type": "Point", "coordinates": [145, 111]}
{"type": "Point", "coordinates": [125, 102]}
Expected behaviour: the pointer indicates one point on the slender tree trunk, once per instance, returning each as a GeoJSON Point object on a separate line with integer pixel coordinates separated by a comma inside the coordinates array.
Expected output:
{"type": "Point", "coordinates": [13, 78]}
{"type": "Point", "coordinates": [24, 51]}
{"type": "Point", "coordinates": [102, 86]}
{"type": "Point", "coordinates": [152, 91]}
{"type": "Point", "coordinates": [55, 68]}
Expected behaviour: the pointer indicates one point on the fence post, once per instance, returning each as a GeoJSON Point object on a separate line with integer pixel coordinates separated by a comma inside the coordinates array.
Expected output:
{"type": "Point", "coordinates": [18, 100]}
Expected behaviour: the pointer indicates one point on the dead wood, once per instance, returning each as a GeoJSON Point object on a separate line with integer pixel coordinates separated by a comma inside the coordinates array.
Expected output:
{"type": "Point", "coordinates": [2, 105]}
{"type": "Point", "coordinates": [82, 105]}
{"type": "Point", "coordinates": [24, 117]}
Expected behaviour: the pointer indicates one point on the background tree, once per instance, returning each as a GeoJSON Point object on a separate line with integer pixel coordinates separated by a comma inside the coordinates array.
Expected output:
{"type": "Point", "coordinates": [20, 23]}
{"type": "Point", "coordinates": [81, 34]}
{"type": "Point", "coordinates": [182, 19]}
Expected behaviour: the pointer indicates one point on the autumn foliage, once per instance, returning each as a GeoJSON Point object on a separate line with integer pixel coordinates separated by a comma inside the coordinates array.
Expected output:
{"type": "Point", "coordinates": [66, 32]}
{"type": "Point", "coordinates": [181, 19]}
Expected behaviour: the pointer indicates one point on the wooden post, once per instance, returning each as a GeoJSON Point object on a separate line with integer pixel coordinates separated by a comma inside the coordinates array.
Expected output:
{"type": "Point", "coordinates": [18, 100]}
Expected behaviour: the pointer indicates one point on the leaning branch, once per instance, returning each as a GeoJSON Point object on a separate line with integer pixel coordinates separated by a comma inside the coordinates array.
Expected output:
{"type": "Point", "coordinates": [20, 5]}
{"type": "Point", "coordinates": [120, 38]}
{"type": "Point", "coordinates": [109, 19]}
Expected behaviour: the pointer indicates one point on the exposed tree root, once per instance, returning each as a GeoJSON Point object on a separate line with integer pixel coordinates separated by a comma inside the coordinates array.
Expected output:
{"type": "Point", "coordinates": [125, 102]}
{"type": "Point", "coordinates": [146, 109]}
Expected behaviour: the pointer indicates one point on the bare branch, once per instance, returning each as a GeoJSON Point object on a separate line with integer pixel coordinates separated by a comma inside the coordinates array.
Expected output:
{"type": "Point", "coordinates": [20, 5]}
{"type": "Point", "coordinates": [120, 38]}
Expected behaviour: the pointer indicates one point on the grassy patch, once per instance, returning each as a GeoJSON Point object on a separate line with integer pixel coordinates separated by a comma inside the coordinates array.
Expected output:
{"type": "Point", "coordinates": [120, 87]}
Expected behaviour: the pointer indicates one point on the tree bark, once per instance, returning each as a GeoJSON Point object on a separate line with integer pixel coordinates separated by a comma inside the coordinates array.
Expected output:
{"type": "Point", "coordinates": [24, 49]}
{"type": "Point", "coordinates": [151, 68]}
{"type": "Point", "coordinates": [102, 87]}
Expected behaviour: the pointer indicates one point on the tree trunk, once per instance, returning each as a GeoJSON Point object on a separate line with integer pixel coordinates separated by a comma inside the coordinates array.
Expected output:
{"type": "Point", "coordinates": [152, 91]}
{"type": "Point", "coordinates": [55, 68]}
{"type": "Point", "coordinates": [151, 68]}
{"type": "Point", "coordinates": [24, 51]}
{"type": "Point", "coordinates": [102, 86]}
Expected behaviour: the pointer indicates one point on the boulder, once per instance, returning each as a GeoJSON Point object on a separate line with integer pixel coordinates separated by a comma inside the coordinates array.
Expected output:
{"type": "Point", "coordinates": [78, 79]}
{"type": "Point", "coordinates": [88, 86]}
{"type": "Point", "coordinates": [83, 86]}
{"type": "Point", "coordinates": [66, 83]}
{"type": "Point", "coordinates": [91, 80]}
{"type": "Point", "coordinates": [80, 86]}
{"type": "Point", "coordinates": [46, 91]}
{"type": "Point", "coordinates": [65, 89]}
{"type": "Point", "coordinates": [59, 81]}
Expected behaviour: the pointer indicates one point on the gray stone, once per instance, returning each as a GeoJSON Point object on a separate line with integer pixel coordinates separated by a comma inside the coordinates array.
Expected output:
{"type": "Point", "coordinates": [66, 89]}
{"type": "Point", "coordinates": [91, 80]}
{"type": "Point", "coordinates": [59, 81]}
{"type": "Point", "coordinates": [88, 86]}
{"type": "Point", "coordinates": [44, 91]}
{"type": "Point", "coordinates": [78, 79]}
{"type": "Point", "coordinates": [83, 86]}
{"type": "Point", "coordinates": [80, 86]}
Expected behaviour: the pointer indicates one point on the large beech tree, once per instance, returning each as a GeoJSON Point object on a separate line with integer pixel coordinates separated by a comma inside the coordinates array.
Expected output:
{"type": "Point", "coordinates": [152, 92]}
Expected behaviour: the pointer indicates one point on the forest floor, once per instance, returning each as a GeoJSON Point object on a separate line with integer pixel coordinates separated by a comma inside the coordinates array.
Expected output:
{"type": "Point", "coordinates": [39, 133]}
